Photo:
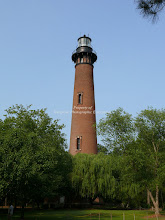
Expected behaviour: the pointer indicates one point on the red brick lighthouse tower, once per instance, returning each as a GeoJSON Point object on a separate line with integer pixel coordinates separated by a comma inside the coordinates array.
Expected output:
{"type": "Point", "coordinates": [83, 132]}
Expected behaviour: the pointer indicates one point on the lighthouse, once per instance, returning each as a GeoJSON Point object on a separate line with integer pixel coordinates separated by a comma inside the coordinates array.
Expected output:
{"type": "Point", "coordinates": [83, 130]}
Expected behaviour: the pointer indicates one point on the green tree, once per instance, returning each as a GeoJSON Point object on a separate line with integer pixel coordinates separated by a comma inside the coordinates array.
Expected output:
{"type": "Point", "coordinates": [116, 130]}
{"type": "Point", "coordinates": [118, 134]}
{"type": "Point", "coordinates": [133, 176]}
{"type": "Point", "coordinates": [33, 161]}
{"type": "Point", "coordinates": [95, 176]}
{"type": "Point", "coordinates": [150, 126]}
{"type": "Point", "coordinates": [139, 143]}
{"type": "Point", "coordinates": [102, 149]}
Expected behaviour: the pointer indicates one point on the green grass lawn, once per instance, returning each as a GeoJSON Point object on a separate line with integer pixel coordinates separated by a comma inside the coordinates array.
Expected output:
{"type": "Point", "coordinates": [83, 214]}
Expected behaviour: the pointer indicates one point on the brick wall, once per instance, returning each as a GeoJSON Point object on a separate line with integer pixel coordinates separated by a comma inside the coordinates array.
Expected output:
{"type": "Point", "coordinates": [83, 115]}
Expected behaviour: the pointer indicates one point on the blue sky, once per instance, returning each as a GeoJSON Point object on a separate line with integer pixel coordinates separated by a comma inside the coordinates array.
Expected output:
{"type": "Point", "coordinates": [38, 37]}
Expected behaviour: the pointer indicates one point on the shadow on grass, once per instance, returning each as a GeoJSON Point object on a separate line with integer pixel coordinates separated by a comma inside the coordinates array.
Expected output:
{"type": "Point", "coordinates": [92, 214]}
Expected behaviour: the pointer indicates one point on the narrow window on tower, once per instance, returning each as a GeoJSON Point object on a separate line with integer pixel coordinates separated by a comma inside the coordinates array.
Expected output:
{"type": "Point", "coordinates": [80, 98]}
{"type": "Point", "coordinates": [78, 143]}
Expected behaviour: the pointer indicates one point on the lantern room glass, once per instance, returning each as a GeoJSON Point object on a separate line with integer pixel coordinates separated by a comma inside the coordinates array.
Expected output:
{"type": "Point", "coordinates": [83, 41]}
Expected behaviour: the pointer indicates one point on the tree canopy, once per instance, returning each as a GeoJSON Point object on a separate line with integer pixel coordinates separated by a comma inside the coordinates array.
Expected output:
{"type": "Point", "coordinates": [139, 142]}
{"type": "Point", "coordinates": [116, 130]}
{"type": "Point", "coordinates": [33, 160]}
{"type": "Point", "coordinates": [95, 175]}
{"type": "Point", "coordinates": [128, 168]}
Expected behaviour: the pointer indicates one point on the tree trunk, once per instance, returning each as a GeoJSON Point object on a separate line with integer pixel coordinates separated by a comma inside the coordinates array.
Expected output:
{"type": "Point", "coordinates": [38, 205]}
{"type": "Point", "coordinates": [22, 211]}
{"type": "Point", "coordinates": [148, 198]}
{"type": "Point", "coordinates": [15, 203]}
{"type": "Point", "coordinates": [162, 200]}
{"type": "Point", "coordinates": [6, 201]}
{"type": "Point", "coordinates": [155, 202]}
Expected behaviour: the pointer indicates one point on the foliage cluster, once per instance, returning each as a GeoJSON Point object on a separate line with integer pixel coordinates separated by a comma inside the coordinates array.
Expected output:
{"type": "Point", "coordinates": [33, 160]}
{"type": "Point", "coordinates": [128, 169]}
{"type": "Point", "coordinates": [133, 164]}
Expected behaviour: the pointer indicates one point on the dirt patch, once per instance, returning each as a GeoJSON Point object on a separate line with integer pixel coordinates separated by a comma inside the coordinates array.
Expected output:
{"type": "Point", "coordinates": [154, 216]}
